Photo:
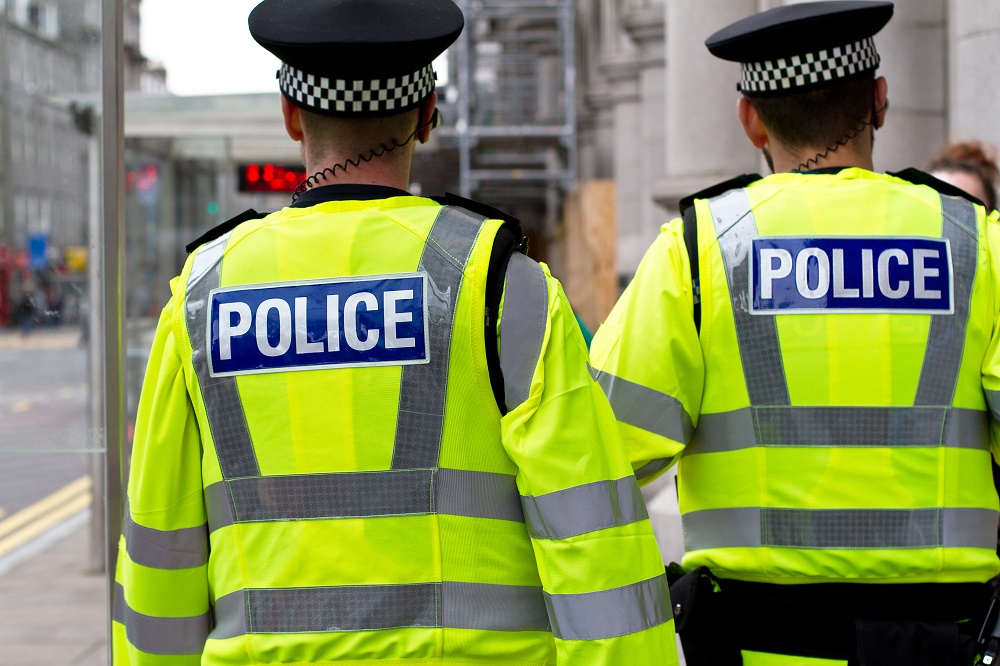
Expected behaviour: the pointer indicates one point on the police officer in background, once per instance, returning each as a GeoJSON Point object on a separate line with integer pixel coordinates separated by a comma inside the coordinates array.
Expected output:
{"type": "Point", "coordinates": [818, 352]}
{"type": "Point", "coordinates": [346, 450]}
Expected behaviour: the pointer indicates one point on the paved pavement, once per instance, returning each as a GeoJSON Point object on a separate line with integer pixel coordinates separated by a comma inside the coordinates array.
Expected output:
{"type": "Point", "coordinates": [52, 608]}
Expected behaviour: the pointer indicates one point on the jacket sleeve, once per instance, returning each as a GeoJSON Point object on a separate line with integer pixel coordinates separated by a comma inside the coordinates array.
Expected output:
{"type": "Point", "coordinates": [991, 363]}
{"type": "Point", "coordinates": [599, 564]}
{"type": "Point", "coordinates": [648, 359]}
{"type": "Point", "coordinates": [161, 608]}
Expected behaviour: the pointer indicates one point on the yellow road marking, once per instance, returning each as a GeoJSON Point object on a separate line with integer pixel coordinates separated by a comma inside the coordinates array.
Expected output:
{"type": "Point", "coordinates": [80, 487]}
{"type": "Point", "coordinates": [3, 512]}
{"type": "Point", "coordinates": [20, 406]}
{"type": "Point", "coordinates": [47, 521]}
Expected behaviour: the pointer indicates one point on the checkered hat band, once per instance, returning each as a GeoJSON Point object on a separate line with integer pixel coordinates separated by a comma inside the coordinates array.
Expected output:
{"type": "Point", "coordinates": [807, 70]}
{"type": "Point", "coordinates": [367, 97]}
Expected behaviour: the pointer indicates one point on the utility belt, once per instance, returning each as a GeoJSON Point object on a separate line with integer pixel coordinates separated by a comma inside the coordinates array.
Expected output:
{"type": "Point", "coordinates": [927, 624]}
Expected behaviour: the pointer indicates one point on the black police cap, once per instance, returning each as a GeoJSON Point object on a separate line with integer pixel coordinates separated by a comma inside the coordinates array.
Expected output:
{"type": "Point", "coordinates": [801, 47]}
{"type": "Point", "coordinates": [356, 57]}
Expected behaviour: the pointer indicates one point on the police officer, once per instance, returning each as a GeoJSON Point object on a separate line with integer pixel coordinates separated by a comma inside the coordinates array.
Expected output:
{"type": "Point", "coordinates": [818, 352]}
{"type": "Point", "coordinates": [340, 454]}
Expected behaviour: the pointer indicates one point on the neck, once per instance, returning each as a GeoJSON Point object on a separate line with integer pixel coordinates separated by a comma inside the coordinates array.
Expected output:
{"type": "Point", "coordinates": [855, 153]}
{"type": "Point", "coordinates": [389, 170]}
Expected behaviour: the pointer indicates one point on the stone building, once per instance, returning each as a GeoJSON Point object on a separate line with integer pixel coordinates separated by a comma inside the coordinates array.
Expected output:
{"type": "Point", "coordinates": [657, 111]}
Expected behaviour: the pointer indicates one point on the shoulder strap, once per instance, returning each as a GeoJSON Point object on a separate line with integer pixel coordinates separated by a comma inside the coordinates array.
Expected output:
{"type": "Point", "coordinates": [918, 177]}
{"type": "Point", "coordinates": [691, 242]}
{"type": "Point", "coordinates": [690, 220]}
{"type": "Point", "coordinates": [224, 228]}
{"type": "Point", "coordinates": [509, 239]}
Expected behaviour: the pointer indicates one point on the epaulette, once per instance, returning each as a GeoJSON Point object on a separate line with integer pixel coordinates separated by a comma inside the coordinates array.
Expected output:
{"type": "Point", "coordinates": [490, 212]}
{"type": "Point", "coordinates": [918, 177]}
{"type": "Point", "coordinates": [718, 188]}
{"type": "Point", "coordinates": [224, 228]}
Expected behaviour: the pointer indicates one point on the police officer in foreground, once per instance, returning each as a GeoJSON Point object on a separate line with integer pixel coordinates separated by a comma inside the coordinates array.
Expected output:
{"type": "Point", "coordinates": [347, 450]}
{"type": "Point", "coordinates": [818, 352]}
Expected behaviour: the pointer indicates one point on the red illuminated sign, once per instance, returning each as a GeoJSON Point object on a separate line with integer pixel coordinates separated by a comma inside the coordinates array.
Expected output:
{"type": "Point", "coordinates": [270, 177]}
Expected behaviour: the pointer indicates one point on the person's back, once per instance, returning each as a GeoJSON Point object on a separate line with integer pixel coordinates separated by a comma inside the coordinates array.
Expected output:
{"type": "Point", "coordinates": [347, 449]}
{"type": "Point", "coordinates": [817, 351]}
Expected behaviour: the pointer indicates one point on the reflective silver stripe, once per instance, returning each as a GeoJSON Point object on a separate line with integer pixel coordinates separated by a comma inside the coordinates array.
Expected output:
{"type": "Point", "coordinates": [364, 495]}
{"type": "Point", "coordinates": [423, 387]}
{"type": "Point", "coordinates": [760, 352]}
{"type": "Point", "coordinates": [522, 326]}
{"type": "Point", "coordinates": [158, 549]}
{"type": "Point", "coordinates": [161, 635]}
{"type": "Point", "coordinates": [616, 612]}
{"type": "Point", "coordinates": [946, 338]}
{"type": "Point", "coordinates": [840, 427]}
{"type": "Point", "coordinates": [993, 400]}
{"type": "Point", "coordinates": [645, 408]}
{"type": "Point", "coordinates": [493, 607]}
{"type": "Point", "coordinates": [582, 509]}
{"type": "Point", "coordinates": [477, 495]}
{"type": "Point", "coordinates": [840, 529]}
{"type": "Point", "coordinates": [220, 394]}
{"type": "Point", "coordinates": [373, 607]}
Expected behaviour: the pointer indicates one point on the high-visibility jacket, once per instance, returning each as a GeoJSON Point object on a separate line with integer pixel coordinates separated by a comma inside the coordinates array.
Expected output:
{"type": "Point", "coordinates": [321, 472]}
{"type": "Point", "coordinates": [831, 419]}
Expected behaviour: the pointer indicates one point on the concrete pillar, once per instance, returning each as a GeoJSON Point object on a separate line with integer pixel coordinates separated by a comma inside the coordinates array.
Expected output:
{"type": "Point", "coordinates": [704, 141]}
{"type": "Point", "coordinates": [704, 137]}
{"type": "Point", "coordinates": [913, 51]}
{"type": "Point", "coordinates": [974, 63]}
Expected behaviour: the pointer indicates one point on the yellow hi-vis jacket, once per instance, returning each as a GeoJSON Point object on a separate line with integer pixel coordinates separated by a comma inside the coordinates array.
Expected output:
{"type": "Point", "coordinates": [321, 473]}
{"type": "Point", "coordinates": [831, 420]}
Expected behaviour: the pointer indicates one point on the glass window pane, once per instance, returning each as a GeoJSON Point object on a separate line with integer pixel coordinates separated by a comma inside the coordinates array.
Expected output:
{"type": "Point", "coordinates": [52, 586]}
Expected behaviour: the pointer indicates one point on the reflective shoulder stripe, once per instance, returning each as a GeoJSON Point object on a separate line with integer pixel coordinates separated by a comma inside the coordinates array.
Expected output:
{"type": "Point", "coordinates": [522, 326]}
{"type": "Point", "coordinates": [757, 337]}
{"type": "Point", "coordinates": [841, 529]}
{"type": "Point", "coordinates": [609, 613]}
{"type": "Point", "coordinates": [582, 509]}
{"type": "Point", "coordinates": [363, 495]}
{"type": "Point", "coordinates": [339, 609]}
{"type": "Point", "coordinates": [220, 394]}
{"type": "Point", "coordinates": [423, 388]}
{"type": "Point", "coordinates": [841, 427]}
{"type": "Point", "coordinates": [161, 635]}
{"type": "Point", "coordinates": [645, 408]}
{"type": "Point", "coordinates": [946, 338]}
{"type": "Point", "coordinates": [175, 549]}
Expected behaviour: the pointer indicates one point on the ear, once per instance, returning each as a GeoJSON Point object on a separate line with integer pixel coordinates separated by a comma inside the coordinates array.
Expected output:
{"type": "Point", "coordinates": [881, 101]}
{"type": "Point", "coordinates": [752, 126]}
{"type": "Point", "coordinates": [425, 118]}
{"type": "Point", "coordinates": [293, 119]}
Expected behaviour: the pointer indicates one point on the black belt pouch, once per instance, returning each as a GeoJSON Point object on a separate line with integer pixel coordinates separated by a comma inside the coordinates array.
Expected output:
{"type": "Point", "coordinates": [702, 620]}
{"type": "Point", "coordinates": [892, 643]}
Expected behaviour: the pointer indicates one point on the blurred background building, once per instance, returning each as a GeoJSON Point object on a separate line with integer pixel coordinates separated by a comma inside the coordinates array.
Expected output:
{"type": "Point", "coordinates": [587, 119]}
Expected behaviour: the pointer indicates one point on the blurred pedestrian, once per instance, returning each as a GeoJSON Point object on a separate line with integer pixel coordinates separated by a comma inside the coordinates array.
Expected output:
{"type": "Point", "coordinates": [969, 166]}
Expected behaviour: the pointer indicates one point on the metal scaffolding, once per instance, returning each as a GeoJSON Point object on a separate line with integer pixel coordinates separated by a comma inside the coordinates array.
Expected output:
{"type": "Point", "coordinates": [516, 126]}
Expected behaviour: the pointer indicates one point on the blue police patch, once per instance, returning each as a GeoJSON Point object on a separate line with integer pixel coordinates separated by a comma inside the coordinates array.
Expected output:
{"type": "Point", "coordinates": [860, 274]}
{"type": "Point", "coordinates": [336, 323]}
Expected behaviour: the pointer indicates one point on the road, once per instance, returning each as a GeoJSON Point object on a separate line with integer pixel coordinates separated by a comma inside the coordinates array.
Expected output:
{"type": "Point", "coordinates": [44, 431]}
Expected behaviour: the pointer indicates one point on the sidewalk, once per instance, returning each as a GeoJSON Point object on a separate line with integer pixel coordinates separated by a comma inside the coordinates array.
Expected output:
{"type": "Point", "coordinates": [52, 610]}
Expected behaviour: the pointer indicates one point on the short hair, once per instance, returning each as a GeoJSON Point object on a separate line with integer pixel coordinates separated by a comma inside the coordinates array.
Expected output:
{"type": "Point", "coordinates": [972, 158]}
{"type": "Point", "coordinates": [817, 118]}
{"type": "Point", "coordinates": [352, 136]}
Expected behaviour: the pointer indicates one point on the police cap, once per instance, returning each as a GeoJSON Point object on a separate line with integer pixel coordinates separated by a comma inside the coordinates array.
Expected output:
{"type": "Point", "coordinates": [802, 47]}
{"type": "Point", "coordinates": [356, 58]}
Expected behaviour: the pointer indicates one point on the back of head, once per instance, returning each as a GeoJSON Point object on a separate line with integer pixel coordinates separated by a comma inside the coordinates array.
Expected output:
{"type": "Point", "coordinates": [808, 68]}
{"type": "Point", "coordinates": [820, 117]}
{"type": "Point", "coordinates": [973, 159]}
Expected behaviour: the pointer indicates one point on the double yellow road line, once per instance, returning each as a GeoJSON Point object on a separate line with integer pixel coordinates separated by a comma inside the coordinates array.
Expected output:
{"type": "Point", "coordinates": [23, 526]}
